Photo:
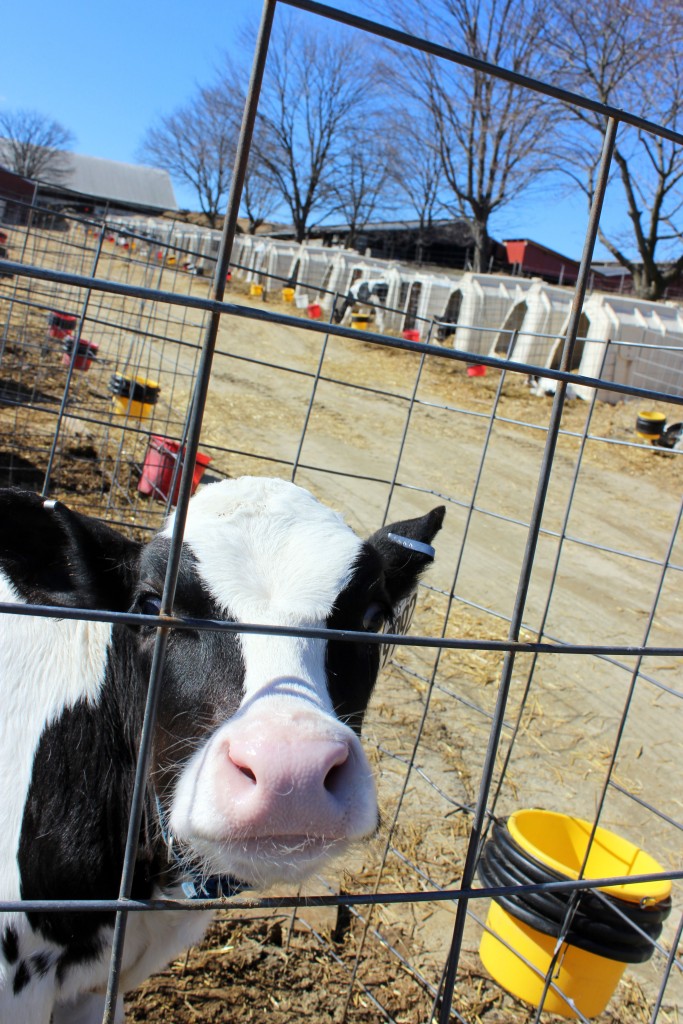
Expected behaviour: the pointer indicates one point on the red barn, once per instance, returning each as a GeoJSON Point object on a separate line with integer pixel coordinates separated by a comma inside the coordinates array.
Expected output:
{"type": "Point", "coordinates": [531, 259]}
{"type": "Point", "coordinates": [14, 191]}
{"type": "Point", "coordinates": [534, 260]}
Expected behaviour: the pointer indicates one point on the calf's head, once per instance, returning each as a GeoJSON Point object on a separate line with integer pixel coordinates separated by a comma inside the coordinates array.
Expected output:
{"type": "Point", "coordinates": [258, 758]}
{"type": "Point", "coordinates": [257, 761]}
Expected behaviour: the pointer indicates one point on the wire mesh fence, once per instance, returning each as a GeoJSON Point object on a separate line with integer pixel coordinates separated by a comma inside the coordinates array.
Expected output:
{"type": "Point", "coordinates": [543, 669]}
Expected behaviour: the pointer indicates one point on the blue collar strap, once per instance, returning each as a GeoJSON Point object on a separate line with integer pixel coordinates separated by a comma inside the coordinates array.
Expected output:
{"type": "Point", "coordinates": [217, 887]}
{"type": "Point", "coordinates": [196, 886]}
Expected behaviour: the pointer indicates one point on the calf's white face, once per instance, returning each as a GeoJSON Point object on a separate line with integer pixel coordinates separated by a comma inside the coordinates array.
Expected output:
{"type": "Point", "coordinates": [283, 783]}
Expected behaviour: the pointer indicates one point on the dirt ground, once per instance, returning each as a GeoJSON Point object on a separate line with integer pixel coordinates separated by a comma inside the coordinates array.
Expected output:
{"type": "Point", "coordinates": [248, 972]}
{"type": "Point", "coordinates": [617, 516]}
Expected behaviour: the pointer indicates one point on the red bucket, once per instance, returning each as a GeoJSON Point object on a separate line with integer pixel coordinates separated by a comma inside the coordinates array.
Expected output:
{"type": "Point", "coordinates": [411, 335]}
{"type": "Point", "coordinates": [157, 471]}
{"type": "Point", "coordinates": [87, 351]}
{"type": "Point", "coordinates": [476, 371]}
{"type": "Point", "coordinates": [61, 325]}
{"type": "Point", "coordinates": [314, 311]}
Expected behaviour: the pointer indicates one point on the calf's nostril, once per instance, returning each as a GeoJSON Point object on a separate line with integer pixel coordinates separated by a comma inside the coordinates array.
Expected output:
{"type": "Point", "coordinates": [334, 779]}
{"type": "Point", "coordinates": [240, 765]}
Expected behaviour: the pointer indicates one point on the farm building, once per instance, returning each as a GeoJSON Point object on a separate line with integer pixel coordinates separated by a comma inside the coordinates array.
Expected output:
{"type": "Point", "coordinates": [90, 184]}
{"type": "Point", "coordinates": [480, 314]}
{"type": "Point", "coordinates": [535, 260]}
{"type": "Point", "coordinates": [633, 342]}
{"type": "Point", "coordinates": [481, 311]}
{"type": "Point", "coordinates": [15, 193]}
{"type": "Point", "coordinates": [442, 242]}
{"type": "Point", "coordinates": [96, 183]}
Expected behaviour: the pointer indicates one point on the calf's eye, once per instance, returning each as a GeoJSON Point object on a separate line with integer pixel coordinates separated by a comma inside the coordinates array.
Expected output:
{"type": "Point", "coordinates": [150, 604]}
{"type": "Point", "coordinates": [374, 618]}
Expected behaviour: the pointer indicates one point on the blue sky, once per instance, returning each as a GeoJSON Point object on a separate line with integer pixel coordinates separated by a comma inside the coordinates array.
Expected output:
{"type": "Point", "coordinates": [107, 71]}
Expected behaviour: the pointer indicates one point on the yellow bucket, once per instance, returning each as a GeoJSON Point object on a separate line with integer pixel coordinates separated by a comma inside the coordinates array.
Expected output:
{"type": "Point", "coordinates": [361, 321]}
{"type": "Point", "coordinates": [256, 290]}
{"type": "Point", "coordinates": [129, 407]}
{"type": "Point", "coordinates": [127, 404]}
{"type": "Point", "coordinates": [586, 979]}
{"type": "Point", "coordinates": [518, 955]}
{"type": "Point", "coordinates": [560, 842]}
{"type": "Point", "coordinates": [288, 295]}
{"type": "Point", "coordinates": [649, 425]}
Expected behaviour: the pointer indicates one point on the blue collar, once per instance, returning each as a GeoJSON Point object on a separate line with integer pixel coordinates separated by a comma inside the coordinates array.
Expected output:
{"type": "Point", "coordinates": [196, 886]}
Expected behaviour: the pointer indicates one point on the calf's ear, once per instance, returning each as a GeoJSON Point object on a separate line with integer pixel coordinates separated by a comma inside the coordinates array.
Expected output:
{"type": "Point", "coordinates": [53, 555]}
{"type": "Point", "coordinates": [406, 551]}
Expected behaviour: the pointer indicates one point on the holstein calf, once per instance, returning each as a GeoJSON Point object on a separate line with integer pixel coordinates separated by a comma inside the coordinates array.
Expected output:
{"type": "Point", "coordinates": [257, 773]}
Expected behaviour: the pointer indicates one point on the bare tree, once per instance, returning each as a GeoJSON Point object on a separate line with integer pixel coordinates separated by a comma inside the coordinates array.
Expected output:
{"type": "Point", "coordinates": [360, 182]}
{"type": "Point", "coordinates": [629, 53]}
{"type": "Point", "coordinates": [416, 170]}
{"type": "Point", "coordinates": [33, 145]}
{"type": "Point", "coordinates": [259, 197]}
{"type": "Point", "coordinates": [196, 145]}
{"type": "Point", "coordinates": [491, 136]}
{"type": "Point", "coordinates": [315, 90]}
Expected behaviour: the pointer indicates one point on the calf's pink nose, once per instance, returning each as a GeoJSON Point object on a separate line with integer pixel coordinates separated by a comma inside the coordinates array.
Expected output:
{"type": "Point", "coordinates": [284, 787]}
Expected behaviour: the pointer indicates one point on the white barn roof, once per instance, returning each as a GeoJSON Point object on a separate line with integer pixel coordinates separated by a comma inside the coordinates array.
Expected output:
{"type": "Point", "coordinates": [108, 180]}
{"type": "Point", "coordinates": [130, 184]}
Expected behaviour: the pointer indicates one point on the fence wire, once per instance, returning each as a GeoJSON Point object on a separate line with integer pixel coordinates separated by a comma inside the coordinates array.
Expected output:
{"type": "Point", "coordinates": [543, 595]}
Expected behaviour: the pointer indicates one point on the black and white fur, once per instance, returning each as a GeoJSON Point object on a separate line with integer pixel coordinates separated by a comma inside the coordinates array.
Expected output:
{"type": "Point", "coordinates": [256, 763]}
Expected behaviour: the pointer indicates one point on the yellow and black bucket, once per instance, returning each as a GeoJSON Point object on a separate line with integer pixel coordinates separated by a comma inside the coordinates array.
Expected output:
{"type": "Point", "coordinates": [650, 425]}
{"type": "Point", "coordinates": [133, 396]}
{"type": "Point", "coordinates": [518, 946]}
